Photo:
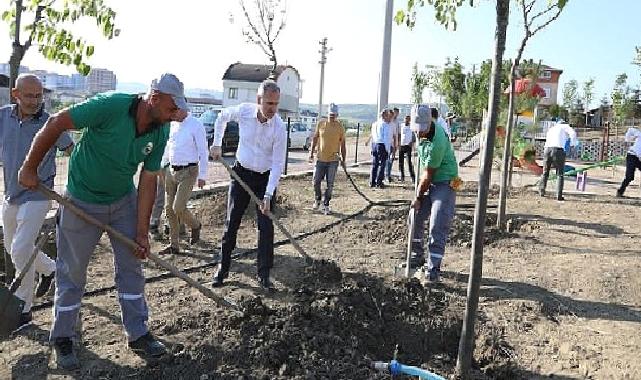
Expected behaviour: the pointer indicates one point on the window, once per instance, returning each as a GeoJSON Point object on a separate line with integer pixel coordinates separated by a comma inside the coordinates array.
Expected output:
{"type": "Point", "coordinates": [548, 92]}
{"type": "Point", "coordinates": [546, 74]}
{"type": "Point", "coordinates": [233, 93]}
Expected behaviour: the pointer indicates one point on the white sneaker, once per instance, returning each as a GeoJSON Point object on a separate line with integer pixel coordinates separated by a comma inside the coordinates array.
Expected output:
{"type": "Point", "coordinates": [326, 210]}
{"type": "Point", "coordinates": [316, 205]}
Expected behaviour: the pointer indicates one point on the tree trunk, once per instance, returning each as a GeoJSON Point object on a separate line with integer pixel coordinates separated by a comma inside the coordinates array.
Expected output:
{"type": "Point", "coordinates": [466, 344]}
{"type": "Point", "coordinates": [17, 51]}
{"type": "Point", "coordinates": [507, 150]}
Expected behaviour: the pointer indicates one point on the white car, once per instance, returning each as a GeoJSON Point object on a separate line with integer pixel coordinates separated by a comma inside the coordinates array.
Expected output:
{"type": "Point", "coordinates": [299, 136]}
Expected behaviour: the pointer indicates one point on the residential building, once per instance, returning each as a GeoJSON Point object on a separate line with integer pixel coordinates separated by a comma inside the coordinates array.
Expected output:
{"type": "Point", "coordinates": [241, 81]}
{"type": "Point", "coordinates": [309, 119]}
{"type": "Point", "coordinates": [101, 80]}
{"type": "Point", "coordinates": [5, 69]}
{"type": "Point", "coordinates": [549, 82]}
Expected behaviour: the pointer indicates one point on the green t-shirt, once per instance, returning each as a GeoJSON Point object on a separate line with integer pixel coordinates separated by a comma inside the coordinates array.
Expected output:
{"type": "Point", "coordinates": [104, 161]}
{"type": "Point", "coordinates": [438, 154]}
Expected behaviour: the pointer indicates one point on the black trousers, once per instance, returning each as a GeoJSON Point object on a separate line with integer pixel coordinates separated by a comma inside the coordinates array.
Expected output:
{"type": "Point", "coordinates": [237, 201]}
{"type": "Point", "coordinates": [553, 157]}
{"type": "Point", "coordinates": [632, 163]}
{"type": "Point", "coordinates": [403, 152]}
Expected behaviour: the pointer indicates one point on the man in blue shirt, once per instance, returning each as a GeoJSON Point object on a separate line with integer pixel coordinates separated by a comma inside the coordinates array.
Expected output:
{"type": "Point", "coordinates": [23, 210]}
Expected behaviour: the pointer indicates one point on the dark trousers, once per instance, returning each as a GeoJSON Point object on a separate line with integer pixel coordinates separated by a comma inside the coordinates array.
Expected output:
{"type": "Point", "coordinates": [556, 157]}
{"type": "Point", "coordinates": [237, 201]}
{"type": "Point", "coordinates": [403, 153]}
{"type": "Point", "coordinates": [379, 160]}
{"type": "Point", "coordinates": [632, 163]}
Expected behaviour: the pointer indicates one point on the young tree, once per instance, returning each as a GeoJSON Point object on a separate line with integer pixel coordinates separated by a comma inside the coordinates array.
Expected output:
{"type": "Point", "coordinates": [265, 21]}
{"type": "Point", "coordinates": [570, 94]}
{"type": "Point", "coordinates": [452, 85]}
{"type": "Point", "coordinates": [622, 103]}
{"type": "Point", "coordinates": [420, 80]}
{"type": "Point", "coordinates": [536, 15]}
{"type": "Point", "coordinates": [49, 30]}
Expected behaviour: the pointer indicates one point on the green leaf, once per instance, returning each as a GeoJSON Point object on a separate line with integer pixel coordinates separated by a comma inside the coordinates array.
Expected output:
{"type": "Point", "coordinates": [6, 15]}
{"type": "Point", "coordinates": [90, 50]}
{"type": "Point", "coordinates": [399, 17]}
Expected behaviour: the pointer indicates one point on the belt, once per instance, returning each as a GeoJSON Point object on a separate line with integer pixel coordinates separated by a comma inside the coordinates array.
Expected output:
{"type": "Point", "coordinates": [181, 167]}
{"type": "Point", "coordinates": [241, 168]}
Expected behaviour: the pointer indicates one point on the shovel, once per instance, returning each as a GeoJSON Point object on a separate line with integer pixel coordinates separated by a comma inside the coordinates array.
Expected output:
{"type": "Point", "coordinates": [254, 198]}
{"type": "Point", "coordinates": [133, 245]}
{"type": "Point", "coordinates": [11, 305]}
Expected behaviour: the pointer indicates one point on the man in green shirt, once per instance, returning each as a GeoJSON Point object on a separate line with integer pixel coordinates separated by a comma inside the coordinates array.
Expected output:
{"type": "Point", "coordinates": [435, 196]}
{"type": "Point", "coordinates": [120, 131]}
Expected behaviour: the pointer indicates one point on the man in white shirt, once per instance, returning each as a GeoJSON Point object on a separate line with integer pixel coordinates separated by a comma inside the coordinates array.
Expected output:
{"type": "Point", "coordinates": [405, 150]}
{"type": "Point", "coordinates": [554, 154]}
{"type": "Point", "coordinates": [395, 126]}
{"type": "Point", "coordinates": [632, 159]}
{"type": "Point", "coordinates": [187, 159]}
{"type": "Point", "coordinates": [260, 160]}
{"type": "Point", "coordinates": [381, 147]}
{"type": "Point", "coordinates": [440, 122]}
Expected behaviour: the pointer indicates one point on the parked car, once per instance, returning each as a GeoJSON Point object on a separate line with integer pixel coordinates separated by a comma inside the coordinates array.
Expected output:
{"type": "Point", "coordinates": [299, 136]}
{"type": "Point", "coordinates": [230, 139]}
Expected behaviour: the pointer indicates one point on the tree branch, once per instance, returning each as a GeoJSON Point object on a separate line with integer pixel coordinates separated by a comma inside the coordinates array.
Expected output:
{"type": "Point", "coordinates": [251, 25]}
{"type": "Point", "coordinates": [34, 26]}
{"type": "Point", "coordinates": [556, 15]}
{"type": "Point", "coordinates": [545, 11]}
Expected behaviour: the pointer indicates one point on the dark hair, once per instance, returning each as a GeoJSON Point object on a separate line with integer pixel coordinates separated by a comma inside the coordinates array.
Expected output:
{"type": "Point", "coordinates": [396, 109]}
{"type": "Point", "coordinates": [434, 113]}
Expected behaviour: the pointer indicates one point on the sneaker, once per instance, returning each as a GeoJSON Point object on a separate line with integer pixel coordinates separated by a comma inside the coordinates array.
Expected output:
{"type": "Point", "coordinates": [65, 355]}
{"type": "Point", "coordinates": [560, 198]}
{"type": "Point", "coordinates": [25, 320]}
{"type": "Point", "coordinates": [316, 205]}
{"type": "Point", "coordinates": [44, 284]}
{"type": "Point", "coordinates": [148, 345]}
{"type": "Point", "coordinates": [195, 234]}
{"type": "Point", "coordinates": [326, 210]}
{"type": "Point", "coordinates": [433, 275]}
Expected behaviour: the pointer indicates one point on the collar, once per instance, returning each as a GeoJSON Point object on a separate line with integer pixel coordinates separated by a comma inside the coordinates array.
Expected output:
{"type": "Point", "coordinates": [35, 116]}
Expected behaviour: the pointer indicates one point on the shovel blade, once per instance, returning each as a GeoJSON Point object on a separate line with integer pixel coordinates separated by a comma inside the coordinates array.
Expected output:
{"type": "Point", "coordinates": [10, 311]}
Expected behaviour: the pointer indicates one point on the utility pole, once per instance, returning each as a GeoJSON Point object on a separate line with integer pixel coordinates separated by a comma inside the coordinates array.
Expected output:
{"type": "Point", "coordinates": [387, 52]}
{"type": "Point", "coordinates": [324, 50]}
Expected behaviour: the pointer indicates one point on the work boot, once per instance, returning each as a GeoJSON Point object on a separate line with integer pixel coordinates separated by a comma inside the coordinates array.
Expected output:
{"type": "Point", "coordinates": [148, 345]}
{"type": "Point", "coordinates": [65, 355]}
{"type": "Point", "coordinates": [195, 234]}
{"type": "Point", "coordinates": [44, 284]}
{"type": "Point", "coordinates": [619, 193]}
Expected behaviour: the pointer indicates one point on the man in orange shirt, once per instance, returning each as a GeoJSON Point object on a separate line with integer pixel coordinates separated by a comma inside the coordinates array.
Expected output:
{"type": "Point", "coordinates": [330, 139]}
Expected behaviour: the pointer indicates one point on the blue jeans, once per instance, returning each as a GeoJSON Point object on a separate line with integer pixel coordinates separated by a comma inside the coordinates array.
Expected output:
{"type": "Point", "coordinates": [438, 204]}
{"type": "Point", "coordinates": [324, 170]}
{"type": "Point", "coordinates": [388, 167]}
{"type": "Point", "coordinates": [379, 159]}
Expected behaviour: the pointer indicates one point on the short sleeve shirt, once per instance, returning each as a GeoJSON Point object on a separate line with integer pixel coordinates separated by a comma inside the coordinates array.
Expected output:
{"type": "Point", "coordinates": [438, 154]}
{"type": "Point", "coordinates": [16, 136]}
{"type": "Point", "coordinates": [330, 136]}
{"type": "Point", "coordinates": [109, 152]}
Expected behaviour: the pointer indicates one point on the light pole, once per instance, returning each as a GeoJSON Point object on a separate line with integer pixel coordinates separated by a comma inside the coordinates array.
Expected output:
{"type": "Point", "coordinates": [324, 50]}
{"type": "Point", "coordinates": [387, 52]}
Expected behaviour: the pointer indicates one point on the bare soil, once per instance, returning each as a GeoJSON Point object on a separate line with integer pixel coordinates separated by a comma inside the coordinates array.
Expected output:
{"type": "Point", "coordinates": [561, 297]}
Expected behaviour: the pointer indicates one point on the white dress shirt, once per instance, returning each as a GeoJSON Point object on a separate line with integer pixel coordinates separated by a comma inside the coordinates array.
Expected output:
{"type": "Point", "coordinates": [261, 146]}
{"type": "Point", "coordinates": [406, 135]}
{"type": "Point", "coordinates": [382, 134]}
{"type": "Point", "coordinates": [558, 134]}
{"type": "Point", "coordinates": [633, 134]}
{"type": "Point", "coordinates": [187, 144]}
{"type": "Point", "coordinates": [443, 124]}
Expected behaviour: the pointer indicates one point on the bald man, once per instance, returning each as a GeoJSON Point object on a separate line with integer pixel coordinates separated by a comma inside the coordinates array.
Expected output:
{"type": "Point", "coordinates": [23, 210]}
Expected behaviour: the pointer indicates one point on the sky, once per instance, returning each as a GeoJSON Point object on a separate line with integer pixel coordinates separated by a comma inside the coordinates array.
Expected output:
{"type": "Point", "coordinates": [196, 40]}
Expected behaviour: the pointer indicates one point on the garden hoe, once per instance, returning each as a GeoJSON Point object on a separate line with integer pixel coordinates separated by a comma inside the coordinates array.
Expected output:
{"type": "Point", "coordinates": [10, 305]}
{"type": "Point", "coordinates": [133, 245]}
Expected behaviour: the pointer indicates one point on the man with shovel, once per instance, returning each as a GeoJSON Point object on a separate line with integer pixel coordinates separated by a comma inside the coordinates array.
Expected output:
{"type": "Point", "coordinates": [435, 196]}
{"type": "Point", "coordinates": [23, 210]}
{"type": "Point", "coordinates": [120, 131]}
{"type": "Point", "coordinates": [260, 160]}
